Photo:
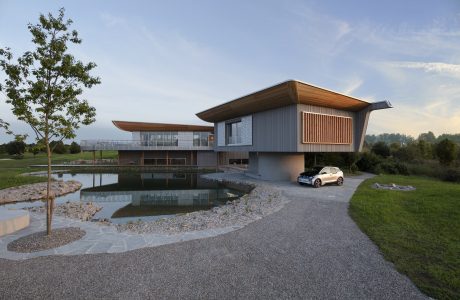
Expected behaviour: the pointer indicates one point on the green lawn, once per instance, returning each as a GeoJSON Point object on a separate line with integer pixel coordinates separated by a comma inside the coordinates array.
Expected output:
{"type": "Point", "coordinates": [10, 170]}
{"type": "Point", "coordinates": [418, 231]}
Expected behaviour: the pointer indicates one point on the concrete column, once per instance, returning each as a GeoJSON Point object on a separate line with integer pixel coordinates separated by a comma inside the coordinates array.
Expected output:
{"type": "Point", "coordinates": [276, 166]}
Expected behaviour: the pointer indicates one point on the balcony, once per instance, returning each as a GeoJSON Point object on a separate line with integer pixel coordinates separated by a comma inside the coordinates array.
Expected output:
{"type": "Point", "coordinates": [92, 145]}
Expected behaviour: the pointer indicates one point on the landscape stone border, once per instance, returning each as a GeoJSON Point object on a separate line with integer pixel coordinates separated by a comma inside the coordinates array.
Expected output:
{"type": "Point", "coordinates": [393, 187]}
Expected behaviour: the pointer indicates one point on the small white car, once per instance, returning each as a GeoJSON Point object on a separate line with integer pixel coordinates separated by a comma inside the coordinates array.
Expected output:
{"type": "Point", "coordinates": [319, 176]}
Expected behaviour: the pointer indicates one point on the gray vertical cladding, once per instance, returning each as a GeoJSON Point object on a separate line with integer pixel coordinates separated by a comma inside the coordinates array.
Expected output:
{"type": "Point", "coordinates": [279, 130]}
{"type": "Point", "coordinates": [272, 131]}
{"type": "Point", "coordinates": [323, 147]}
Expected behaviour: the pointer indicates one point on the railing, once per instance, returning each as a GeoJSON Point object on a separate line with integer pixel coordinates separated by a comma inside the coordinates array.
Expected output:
{"type": "Point", "coordinates": [89, 145]}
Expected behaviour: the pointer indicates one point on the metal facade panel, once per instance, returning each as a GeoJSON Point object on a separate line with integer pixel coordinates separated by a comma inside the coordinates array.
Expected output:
{"type": "Point", "coordinates": [273, 130]}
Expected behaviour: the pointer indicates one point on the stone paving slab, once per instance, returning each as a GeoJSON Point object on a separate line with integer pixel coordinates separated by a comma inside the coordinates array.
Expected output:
{"type": "Point", "coordinates": [99, 238]}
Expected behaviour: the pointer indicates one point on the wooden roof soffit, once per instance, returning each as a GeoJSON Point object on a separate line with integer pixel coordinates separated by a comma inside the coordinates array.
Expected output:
{"type": "Point", "coordinates": [283, 94]}
{"type": "Point", "coordinates": [144, 126]}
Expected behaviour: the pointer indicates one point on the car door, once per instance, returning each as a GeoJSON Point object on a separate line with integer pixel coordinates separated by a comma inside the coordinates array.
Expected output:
{"type": "Point", "coordinates": [334, 174]}
{"type": "Point", "coordinates": [325, 175]}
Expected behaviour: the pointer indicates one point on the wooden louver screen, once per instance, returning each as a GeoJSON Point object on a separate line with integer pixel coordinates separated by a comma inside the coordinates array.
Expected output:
{"type": "Point", "coordinates": [326, 129]}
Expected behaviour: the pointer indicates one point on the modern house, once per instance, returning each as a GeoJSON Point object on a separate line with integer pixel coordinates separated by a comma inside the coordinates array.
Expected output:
{"type": "Point", "coordinates": [270, 130]}
{"type": "Point", "coordinates": [160, 144]}
{"type": "Point", "coordinates": [279, 124]}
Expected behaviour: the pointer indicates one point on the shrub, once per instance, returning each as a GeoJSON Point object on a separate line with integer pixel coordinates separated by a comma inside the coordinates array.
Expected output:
{"type": "Point", "coordinates": [58, 147]}
{"type": "Point", "coordinates": [368, 162]}
{"type": "Point", "coordinates": [381, 149]}
{"type": "Point", "coordinates": [452, 175]}
{"type": "Point", "coordinates": [74, 148]}
{"type": "Point", "coordinates": [16, 148]}
{"type": "Point", "coordinates": [446, 151]}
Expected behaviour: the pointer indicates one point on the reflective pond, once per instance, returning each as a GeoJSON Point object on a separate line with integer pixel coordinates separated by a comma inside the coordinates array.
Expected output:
{"type": "Point", "coordinates": [128, 197]}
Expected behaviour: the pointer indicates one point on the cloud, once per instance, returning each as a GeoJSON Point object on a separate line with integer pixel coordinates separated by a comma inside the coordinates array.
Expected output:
{"type": "Point", "coordinates": [111, 20]}
{"type": "Point", "coordinates": [352, 86]}
{"type": "Point", "coordinates": [430, 67]}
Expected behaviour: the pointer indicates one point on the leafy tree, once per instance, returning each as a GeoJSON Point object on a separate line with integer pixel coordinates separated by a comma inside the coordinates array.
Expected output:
{"type": "Point", "coordinates": [446, 150]}
{"type": "Point", "coordinates": [425, 149]}
{"type": "Point", "coordinates": [16, 147]}
{"type": "Point", "coordinates": [75, 148]}
{"type": "Point", "coordinates": [44, 86]}
{"type": "Point", "coordinates": [381, 149]}
{"type": "Point", "coordinates": [427, 137]}
{"type": "Point", "coordinates": [35, 149]}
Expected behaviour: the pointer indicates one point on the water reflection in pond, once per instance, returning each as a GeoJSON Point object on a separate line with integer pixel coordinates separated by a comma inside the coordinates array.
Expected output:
{"type": "Point", "coordinates": [131, 196]}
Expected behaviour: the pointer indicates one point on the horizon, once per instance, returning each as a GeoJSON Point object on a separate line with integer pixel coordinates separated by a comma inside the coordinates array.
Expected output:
{"type": "Point", "coordinates": [170, 61]}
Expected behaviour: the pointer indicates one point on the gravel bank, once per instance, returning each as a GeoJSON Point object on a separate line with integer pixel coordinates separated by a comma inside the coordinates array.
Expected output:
{"type": "Point", "coordinates": [261, 201]}
{"type": "Point", "coordinates": [37, 191]}
{"type": "Point", "coordinates": [75, 210]}
{"type": "Point", "coordinates": [39, 241]}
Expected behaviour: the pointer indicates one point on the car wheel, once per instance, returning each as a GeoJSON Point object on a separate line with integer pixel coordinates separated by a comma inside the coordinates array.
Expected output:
{"type": "Point", "coordinates": [340, 181]}
{"type": "Point", "coordinates": [317, 183]}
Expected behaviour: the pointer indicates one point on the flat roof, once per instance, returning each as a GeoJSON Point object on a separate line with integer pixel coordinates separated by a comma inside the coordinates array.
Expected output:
{"type": "Point", "coordinates": [144, 126]}
{"type": "Point", "coordinates": [283, 94]}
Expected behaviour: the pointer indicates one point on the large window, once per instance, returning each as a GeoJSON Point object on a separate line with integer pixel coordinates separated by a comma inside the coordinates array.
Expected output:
{"type": "Point", "coordinates": [201, 139]}
{"type": "Point", "coordinates": [233, 133]}
{"type": "Point", "coordinates": [162, 138]}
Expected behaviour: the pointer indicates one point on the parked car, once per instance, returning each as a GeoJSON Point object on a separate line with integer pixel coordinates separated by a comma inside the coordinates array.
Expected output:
{"type": "Point", "coordinates": [319, 176]}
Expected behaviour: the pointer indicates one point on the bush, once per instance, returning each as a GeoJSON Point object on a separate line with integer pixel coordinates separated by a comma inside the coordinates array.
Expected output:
{"type": "Point", "coordinates": [391, 167]}
{"type": "Point", "coordinates": [368, 162]}
{"type": "Point", "coordinates": [381, 149]}
{"type": "Point", "coordinates": [74, 148]}
{"type": "Point", "coordinates": [446, 151]}
{"type": "Point", "coordinates": [452, 175]}
{"type": "Point", "coordinates": [16, 148]}
{"type": "Point", "coordinates": [58, 147]}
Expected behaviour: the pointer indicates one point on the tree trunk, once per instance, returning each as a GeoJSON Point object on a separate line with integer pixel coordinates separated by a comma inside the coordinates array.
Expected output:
{"type": "Point", "coordinates": [49, 201]}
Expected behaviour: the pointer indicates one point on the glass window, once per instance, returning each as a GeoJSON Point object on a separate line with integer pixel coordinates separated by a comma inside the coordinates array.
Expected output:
{"type": "Point", "coordinates": [233, 133]}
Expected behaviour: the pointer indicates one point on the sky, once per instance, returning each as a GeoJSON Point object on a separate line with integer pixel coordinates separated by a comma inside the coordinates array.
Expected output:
{"type": "Point", "coordinates": [164, 61]}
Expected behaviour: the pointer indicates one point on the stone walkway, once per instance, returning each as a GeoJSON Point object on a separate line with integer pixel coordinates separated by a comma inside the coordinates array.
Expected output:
{"type": "Point", "coordinates": [98, 238]}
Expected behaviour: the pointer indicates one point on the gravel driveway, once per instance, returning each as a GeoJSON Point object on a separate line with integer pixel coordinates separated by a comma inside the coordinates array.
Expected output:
{"type": "Point", "coordinates": [311, 249]}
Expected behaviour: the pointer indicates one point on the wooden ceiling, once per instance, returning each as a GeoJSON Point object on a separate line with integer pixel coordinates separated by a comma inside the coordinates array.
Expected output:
{"type": "Point", "coordinates": [143, 126]}
{"type": "Point", "coordinates": [283, 94]}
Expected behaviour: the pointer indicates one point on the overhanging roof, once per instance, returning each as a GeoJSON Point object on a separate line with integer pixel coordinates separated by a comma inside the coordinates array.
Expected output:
{"type": "Point", "coordinates": [283, 94]}
{"type": "Point", "coordinates": [143, 126]}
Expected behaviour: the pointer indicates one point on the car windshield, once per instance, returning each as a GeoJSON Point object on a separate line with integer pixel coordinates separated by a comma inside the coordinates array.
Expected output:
{"type": "Point", "coordinates": [313, 171]}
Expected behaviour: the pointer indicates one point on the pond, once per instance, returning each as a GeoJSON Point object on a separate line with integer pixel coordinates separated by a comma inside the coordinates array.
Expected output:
{"type": "Point", "coordinates": [128, 197]}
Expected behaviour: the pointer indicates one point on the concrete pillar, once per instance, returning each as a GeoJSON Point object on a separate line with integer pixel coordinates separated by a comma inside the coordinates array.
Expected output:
{"type": "Point", "coordinates": [276, 166]}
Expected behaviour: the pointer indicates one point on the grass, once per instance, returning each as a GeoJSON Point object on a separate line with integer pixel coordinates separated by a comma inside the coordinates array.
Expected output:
{"type": "Point", "coordinates": [418, 231]}
{"type": "Point", "coordinates": [11, 170]}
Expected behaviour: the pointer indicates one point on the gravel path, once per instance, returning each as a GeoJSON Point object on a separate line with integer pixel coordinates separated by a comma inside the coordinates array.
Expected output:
{"type": "Point", "coordinates": [310, 249]}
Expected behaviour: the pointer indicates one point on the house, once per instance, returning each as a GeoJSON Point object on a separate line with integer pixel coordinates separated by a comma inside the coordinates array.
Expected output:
{"type": "Point", "coordinates": [160, 144]}
{"type": "Point", "coordinates": [270, 130]}
{"type": "Point", "coordinates": [277, 125]}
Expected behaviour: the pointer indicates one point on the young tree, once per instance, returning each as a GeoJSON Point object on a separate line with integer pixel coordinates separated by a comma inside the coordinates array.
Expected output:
{"type": "Point", "coordinates": [44, 87]}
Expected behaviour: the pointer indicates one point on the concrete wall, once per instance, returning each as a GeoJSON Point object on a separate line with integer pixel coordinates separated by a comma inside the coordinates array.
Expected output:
{"type": "Point", "coordinates": [206, 158]}
{"type": "Point", "coordinates": [276, 166]}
